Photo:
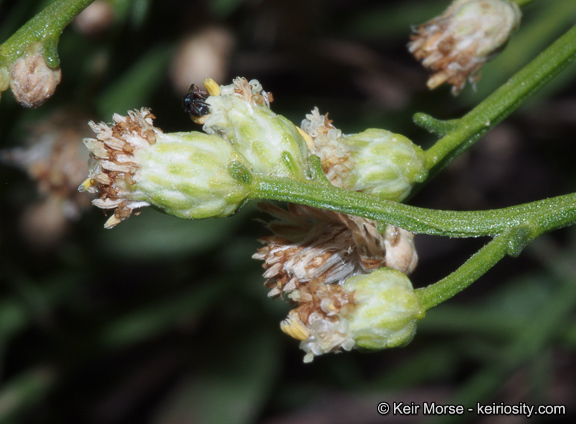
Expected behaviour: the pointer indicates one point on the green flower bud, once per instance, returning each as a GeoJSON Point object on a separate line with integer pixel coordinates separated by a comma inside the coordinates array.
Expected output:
{"type": "Point", "coordinates": [456, 45]}
{"type": "Point", "coordinates": [375, 161]}
{"type": "Point", "coordinates": [135, 164]}
{"type": "Point", "coordinates": [386, 309]}
{"type": "Point", "coordinates": [272, 144]}
{"type": "Point", "coordinates": [386, 164]}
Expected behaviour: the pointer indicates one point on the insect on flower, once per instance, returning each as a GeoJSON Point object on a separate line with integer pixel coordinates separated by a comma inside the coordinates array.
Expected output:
{"type": "Point", "coordinates": [194, 102]}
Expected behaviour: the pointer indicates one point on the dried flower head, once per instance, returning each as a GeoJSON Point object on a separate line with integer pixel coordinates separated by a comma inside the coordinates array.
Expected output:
{"type": "Point", "coordinates": [240, 113]}
{"type": "Point", "coordinates": [319, 312]}
{"type": "Point", "coordinates": [134, 164]}
{"type": "Point", "coordinates": [376, 162]}
{"type": "Point", "coordinates": [455, 45]}
{"type": "Point", "coordinates": [310, 244]}
{"type": "Point", "coordinates": [32, 80]}
{"type": "Point", "coordinates": [57, 161]}
{"type": "Point", "coordinates": [309, 257]}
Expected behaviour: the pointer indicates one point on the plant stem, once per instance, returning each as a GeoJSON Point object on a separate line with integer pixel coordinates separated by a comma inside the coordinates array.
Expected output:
{"type": "Point", "coordinates": [460, 134]}
{"type": "Point", "coordinates": [468, 273]}
{"type": "Point", "coordinates": [45, 28]}
{"type": "Point", "coordinates": [538, 217]}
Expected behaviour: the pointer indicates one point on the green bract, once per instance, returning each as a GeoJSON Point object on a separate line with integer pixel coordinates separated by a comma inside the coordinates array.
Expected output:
{"type": "Point", "coordinates": [386, 309]}
{"type": "Point", "coordinates": [134, 164]}
{"type": "Point", "coordinates": [186, 175]}
{"type": "Point", "coordinates": [385, 164]}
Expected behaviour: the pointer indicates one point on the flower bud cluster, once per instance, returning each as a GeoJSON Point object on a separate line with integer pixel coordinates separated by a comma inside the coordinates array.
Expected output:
{"type": "Point", "coordinates": [313, 254]}
{"type": "Point", "coordinates": [315, 258]}
{"type": "Point", "coordinates": [193, 175]}
{"type": "Point", "coordinates": [455, 45]}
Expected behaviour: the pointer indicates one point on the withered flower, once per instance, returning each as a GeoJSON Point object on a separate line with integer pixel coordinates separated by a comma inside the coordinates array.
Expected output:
{"type": "Point", "coordinates": [310, 255]}
{"type": "Point", "coordinates": [315, 244]}
{"type": "Point", "coordinates": [373, 311]}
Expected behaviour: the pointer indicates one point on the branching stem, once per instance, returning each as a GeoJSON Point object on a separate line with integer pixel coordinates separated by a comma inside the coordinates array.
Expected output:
{"type": "Point", "coordinates": [44, 28]}
{"type": "Point", "coordinates": [460, 134]}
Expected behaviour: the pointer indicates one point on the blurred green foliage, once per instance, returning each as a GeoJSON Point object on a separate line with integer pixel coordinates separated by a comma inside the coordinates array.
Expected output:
{"type": "Point", "coordinates": [163, 320]}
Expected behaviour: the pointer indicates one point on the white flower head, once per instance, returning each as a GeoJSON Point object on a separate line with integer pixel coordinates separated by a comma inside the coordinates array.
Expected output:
{"type": "Point", "coordinates": [455, 45]}
{"type": "Point", "coordinates": [134, 164]}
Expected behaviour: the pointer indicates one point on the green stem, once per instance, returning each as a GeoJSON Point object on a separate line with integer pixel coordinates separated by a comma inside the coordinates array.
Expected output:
{"type": "Point", "coordinates": [44, 28]}
{"type": "Point", "coordinates": [459, 135]}
{"type": "Point", "coordinates": [468, 273]}
{"type": "Point", "coordinates": [538, 217]}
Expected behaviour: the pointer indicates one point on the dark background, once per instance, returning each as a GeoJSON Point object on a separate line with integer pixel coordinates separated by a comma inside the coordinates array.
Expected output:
{"type": "Point", "coordinates": [162, 320]}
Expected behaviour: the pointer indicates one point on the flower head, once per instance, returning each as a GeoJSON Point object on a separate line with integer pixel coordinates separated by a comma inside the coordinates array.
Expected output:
{"type": "Point", "coordinates": [32, 80]}
{"type": "Point", "coordinates": [386, 309]}
{"type": "Point", "coordinates": [375, 161]}
{"type": "Point", "coordinates": [240, 113]}
{"type": "Point", "coordinates": [310, 244]}
{"type": "Point", "coordinates": [455, 45]}
{"type": "Point", "coordinates": [134, 164]}
{"type": "Point", "coordinates": [373, 311]}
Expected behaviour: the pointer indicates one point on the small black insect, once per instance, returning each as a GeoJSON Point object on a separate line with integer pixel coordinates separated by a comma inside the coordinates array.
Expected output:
{"type": "Point", "coordinates": [194, 102]}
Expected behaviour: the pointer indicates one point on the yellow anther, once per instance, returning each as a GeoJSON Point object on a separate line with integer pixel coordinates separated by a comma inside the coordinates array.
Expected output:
{"type": "Point", "coordinates": [294, 327]}
{"type": "Point", "coordinates": [112, 222]}
{"type": "Point", "coordinates": [306, 137]}
{"type": "Point", "coordinates": [87, 184]}
{"type": "Point", "coordinates": [212, 87]}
